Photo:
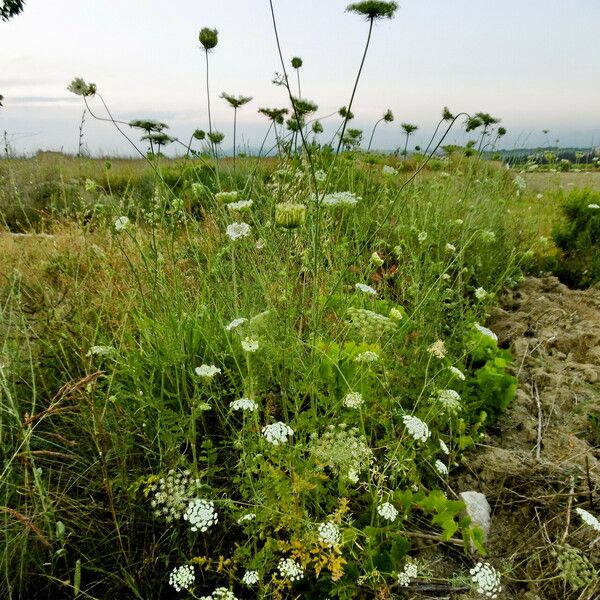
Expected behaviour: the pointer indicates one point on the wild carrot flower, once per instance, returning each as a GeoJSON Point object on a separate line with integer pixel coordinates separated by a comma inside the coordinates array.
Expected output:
{"type": "Point", "coordinates": [485, 331]}
{"type": "Point", "coordinates": [367, 357]}
{"type": "Point", "coordinates": [244, 404]}
{"type": "Point", "coordinates": [366, 289]}
{"type": "Point", "coordinates": [438, 349]}
{"type": "Point", "coordinates": [235, 231]}
{"type": "Point", "coordinates": [486, 579]}
{"type": "Point", "coordinates": [250, 344]}
{"type": "Point", "coordinates": [290, 569]}
{"type": "Point", "coordinates": [588, 518]}
{"type": "Point", "coordinates": [416, 428]}
{"type": "Point", "coordinates": [389, 171]}
{"type": "Point", "coordinates": [172, 494]}
{"type": "Point", "coordinates": [100, 351]}
{"type": "Point", "coordinates": [201, 514]}
{"type": "Point", "coordinates": [250, 578]}
{"type": "Point", "coordinates": [457, 373]}
{"type": "Point", "coordinates": [247, 517]}
{"type": "Point", "coordinates": [353, 400]}
{"type": "Point", "coordinates": [341, 199]}
{"type": "Point", "coordinates": [235, 323]}
{"type": "Point", "coordinates": [450, 248]}
{"type": "Point", "coordinates": [182, 578]}
{"type": "Point", "coordinates": [480, 293]}
{"type": "Point", "coordinates": [409, 573]}
{"type": "Point", "coordinates": [441, 468]}
{"type": "Point", "coordinates": [240, 206]}
{"type": "Point", "coordinates": [220, 593]}
{"type": "Point", "coordinates": [387, 511]}
{"type": "Point", "coordinates": [122, 223]}
{"type": "Point", "coordinates": [450, 401]}
{"type": "Point", "coordinates": [277, 433]}
{"type": "Point", "coordinates": [594, 206]}
{"type": "Point", "coordinates": [422, 236]}
{"type": "Point", "coordinates": [207, 371]}
{"type": "Point", "coordinates": [444, 448]}
{"type": "Point", "coordinates": [329, 534]}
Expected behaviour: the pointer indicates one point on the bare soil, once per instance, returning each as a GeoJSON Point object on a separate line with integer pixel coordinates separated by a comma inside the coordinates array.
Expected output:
{"type": "Point", "coordinates": [543, 459]}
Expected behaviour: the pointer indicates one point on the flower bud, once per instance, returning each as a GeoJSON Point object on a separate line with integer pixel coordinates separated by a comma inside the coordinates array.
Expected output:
{"type": "Point", "coordinates": [290, 215]}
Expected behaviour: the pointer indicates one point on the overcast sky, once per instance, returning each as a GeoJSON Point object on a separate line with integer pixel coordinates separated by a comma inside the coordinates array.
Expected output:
{"type": "Point", "coordinates": [533, 63]}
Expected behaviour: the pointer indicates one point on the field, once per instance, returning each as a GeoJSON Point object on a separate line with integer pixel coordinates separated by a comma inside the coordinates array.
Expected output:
{"type": "Point", "coordinates": [297, 400]}
{"type": "Point", "coordinates": [313, 370]}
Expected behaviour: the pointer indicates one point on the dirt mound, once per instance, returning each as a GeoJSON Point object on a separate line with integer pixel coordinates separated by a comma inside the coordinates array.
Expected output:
{"type": "Point", "coordinates": [543, 460]}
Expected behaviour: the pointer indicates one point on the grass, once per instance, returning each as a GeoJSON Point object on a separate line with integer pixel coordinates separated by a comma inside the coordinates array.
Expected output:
{"type": "Point", "coordinates": [88, 433]}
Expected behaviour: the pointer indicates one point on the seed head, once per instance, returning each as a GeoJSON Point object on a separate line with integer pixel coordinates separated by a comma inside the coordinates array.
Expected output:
{"type": "Point", "coordinates": [209, 38]}
{"type": "Point", "coordinates": [296, 62]}
{"type": "Point", "coordinates": [373, 9]}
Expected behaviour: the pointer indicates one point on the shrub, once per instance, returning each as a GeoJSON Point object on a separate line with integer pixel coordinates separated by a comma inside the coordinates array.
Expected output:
{"type": "Point", "coordinates": [578, 238]}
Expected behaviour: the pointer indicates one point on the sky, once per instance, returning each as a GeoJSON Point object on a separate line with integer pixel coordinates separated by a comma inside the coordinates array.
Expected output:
{"type": "Point", "coordinates": [532, 63]}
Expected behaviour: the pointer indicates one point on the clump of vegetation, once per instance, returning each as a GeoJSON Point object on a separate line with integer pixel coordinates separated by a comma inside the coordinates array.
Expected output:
{"type": "Point", "coordinates": [578, 239]}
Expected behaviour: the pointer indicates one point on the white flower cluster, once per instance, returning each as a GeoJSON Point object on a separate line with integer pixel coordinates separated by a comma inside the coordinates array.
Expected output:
{"type": "Point", "coordinates": [208, 371]}
{"type": "Point", "coordinates": [409, 573]}
{"type": "Point", "coordinates": [201, 514]}
{"type": "Point", "coordinates": [353, 400]}
{"type": "Point", "coordinates": [367, 289]}
{"type": "Point", "coordinates": [250, 578]}
{"type": "Point", "coordinates": [235, 323]}
{"type": "Point", "coordinates": [594, 206]}
{"type": "Point", "coordinates": [100, 351]}
{"type": "Point", "coordinates": [122, 223]}
{"type": "Point", "coordinates": [450, 400]}
{"type": "Point", "coordinates": [480, 294]}
{"type": "Point", "coordinates": [172, 494]}
{"type": "Point", "coordinates": [236, 231]}
{"type": "Point", "coordinates": [444, 448]}
{"type": "Point", "coordinates": [243, 404]}
{"type": "Point", "coordinates": [182, 578]}
{"type": "Point", "coordinates": [290, 569]}
{"type": "Point", "coordinates": [277, 433]}
{"type": "Point", "coordinates": [367, 357]}
{"type": "Point", "coordinates": [417, 429]}
{"type": "Point", "coordinates": [438, 349]}
{"type": "Point", "coordinates": [388, 170]}
{"type": "Point", "coordinates": [250, 345]}
{"type": "Point", "coordinates": [329, 534]}
{"type": "Point", "coordinates": [343, 450]}
{"type": "Point", "coordinates": [485, 331]}
{"type": "Point", "coordinates": [346, 199]}
{"type": "Point", "coordinates": [441, 468]}
{"type": "Point", "coordinates": [220, 593]}
{"type": "Point", "coordinates": [422, 236]}
{"type": "Point", "coordinates": [588, 518]}
{"type": "Point", "coordinates": [457, 373]}
{"type": "Point", "coordinates": [247, 517]}
{"type": "Point", "coordinates": [387, 511]}
{"type": "Point", "coordinates": [487, 580]}
{"type": "Point", "coordinates": [240, 206]}
{"type": "Point", "coordinates": [320, 176]}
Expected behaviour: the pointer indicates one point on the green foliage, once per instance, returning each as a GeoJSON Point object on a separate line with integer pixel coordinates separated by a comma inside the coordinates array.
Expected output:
{"type": "Point", "coordinates": [578, 239]}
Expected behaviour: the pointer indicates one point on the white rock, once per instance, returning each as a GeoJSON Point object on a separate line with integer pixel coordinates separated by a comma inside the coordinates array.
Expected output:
{"type": "Point", "coordinates": [479, 510]}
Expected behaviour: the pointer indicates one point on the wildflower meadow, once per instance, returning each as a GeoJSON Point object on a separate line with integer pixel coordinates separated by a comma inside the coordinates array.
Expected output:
{"type": "Point", "coordinates": [230, 375]}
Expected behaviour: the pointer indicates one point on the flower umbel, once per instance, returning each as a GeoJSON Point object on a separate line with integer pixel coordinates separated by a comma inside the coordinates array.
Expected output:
{"type": "Point", "coordinates": [277, 433]}
{"type": "Point", "coordinates": [201, 514]}
{"type": "Point", "coordinates": [182, 578]}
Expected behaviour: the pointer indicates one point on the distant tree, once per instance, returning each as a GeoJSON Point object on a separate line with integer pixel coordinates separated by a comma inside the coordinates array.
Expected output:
{"type": "Point", "coordinates": [10, 8]}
